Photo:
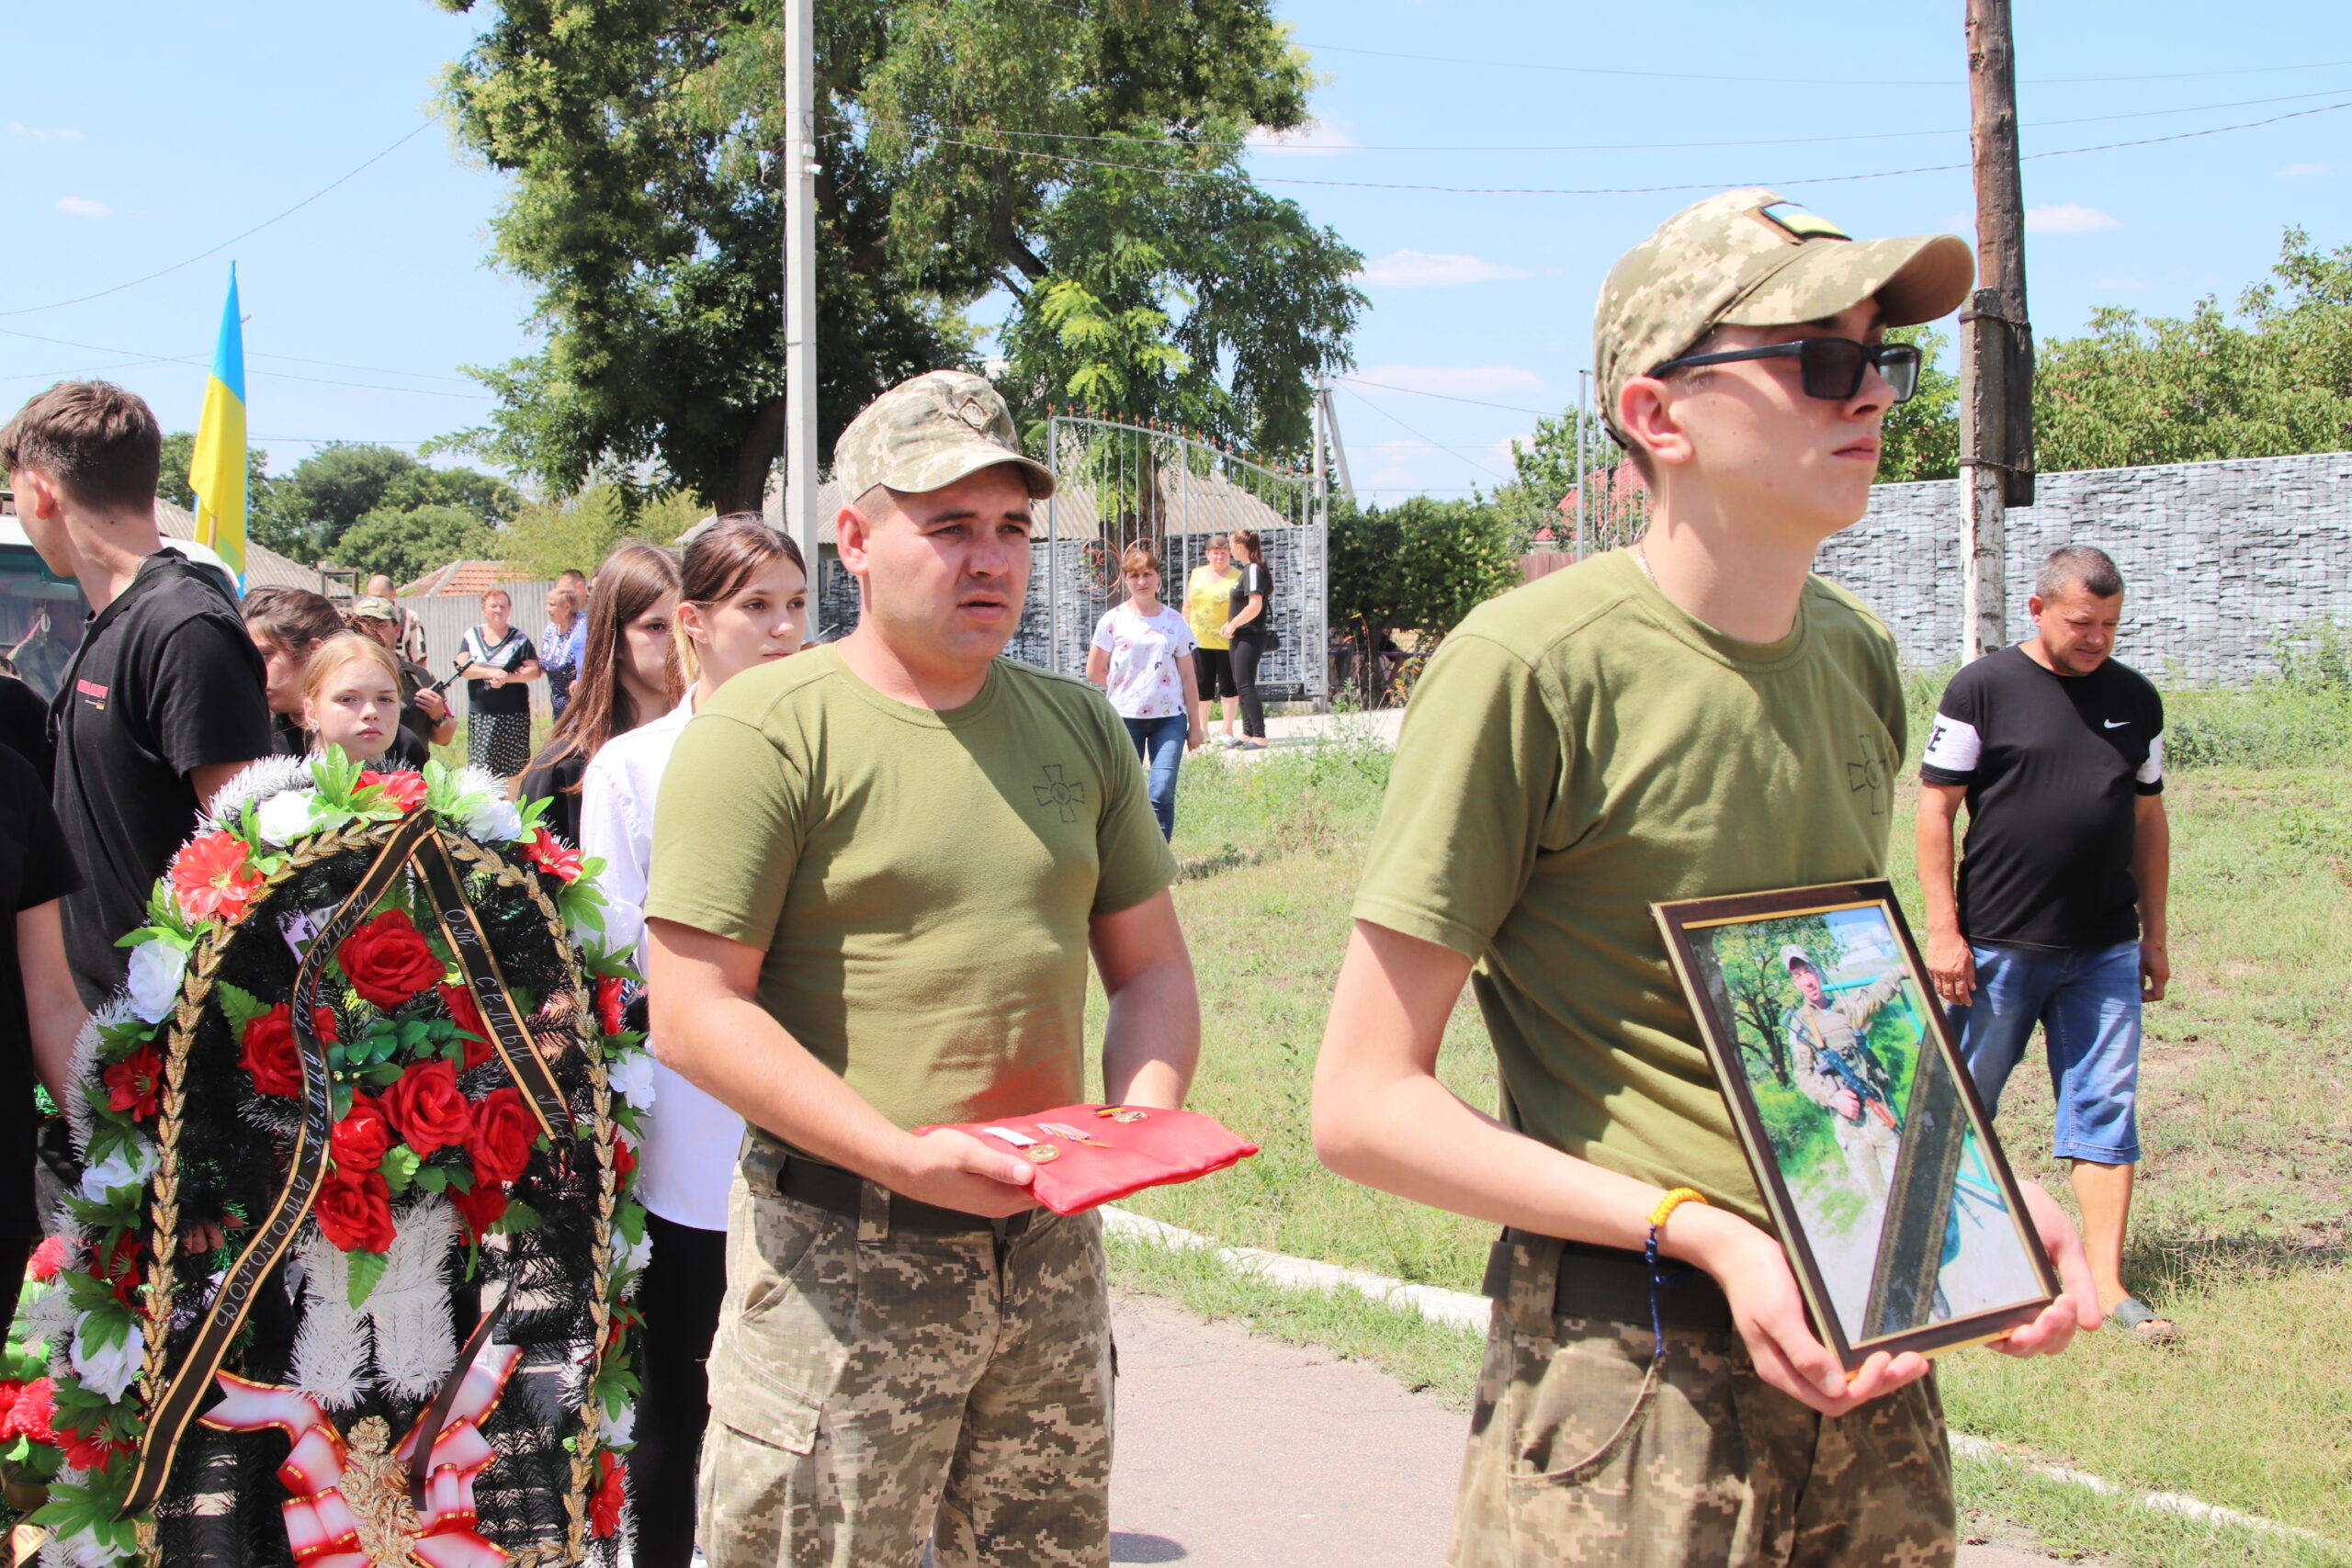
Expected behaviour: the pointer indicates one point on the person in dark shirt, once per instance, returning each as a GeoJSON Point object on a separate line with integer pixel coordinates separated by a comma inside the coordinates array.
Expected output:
{"type": "Point", "coordinates": [1249, 627]}
{"type": "Point", "coordinates": [287, 625]}
{"type": "Point", "coordinates": [162, 704]}
{"type": "Point", "coordinates": [40, 1011]}
{"type": "Point", "coordinates": [501, 664]}
{"type": "Point", "coordinates": [23, 725]}
{"type": "Point", "coordinates": [2058, 914]}
{"type": "Point", "coordinates": [629, 675]}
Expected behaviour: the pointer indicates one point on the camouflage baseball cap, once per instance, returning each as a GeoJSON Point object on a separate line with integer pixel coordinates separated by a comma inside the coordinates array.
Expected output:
{"type": "Point", "coordinates": [373, 608]}
{"type": "Point", "coordinates": [928, 433]}
{"type": "Point", "coordinates": [1748, 258]}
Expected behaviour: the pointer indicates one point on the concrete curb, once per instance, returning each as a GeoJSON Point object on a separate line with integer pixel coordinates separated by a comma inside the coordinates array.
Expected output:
{"type": "Point", "coordinates": [1457, 1309]}
{"type": "Point", "coordinates": [1454, 1309]}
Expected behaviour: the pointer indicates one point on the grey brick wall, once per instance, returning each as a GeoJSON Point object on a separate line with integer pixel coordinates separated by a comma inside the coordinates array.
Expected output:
{"type": "Point", "coordinates": [2220, 561]}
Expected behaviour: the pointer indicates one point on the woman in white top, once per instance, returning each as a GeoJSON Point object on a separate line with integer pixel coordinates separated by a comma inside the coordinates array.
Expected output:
{"type": "Point", "coordinates": [1142, 657]}
{"type": "Point", "coordinates": [742, 601]}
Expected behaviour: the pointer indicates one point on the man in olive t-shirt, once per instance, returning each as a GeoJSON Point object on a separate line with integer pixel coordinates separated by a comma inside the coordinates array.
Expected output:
{"type": "Point", "coordinates": [878, 869]}
{"type": "Point", "coordinates": [1695, 716]}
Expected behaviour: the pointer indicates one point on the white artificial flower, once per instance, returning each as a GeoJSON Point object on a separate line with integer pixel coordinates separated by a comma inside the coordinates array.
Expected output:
{"type": "Point", "coordinates": [155, 978]}
{"type": "Point", "coordinates": [620, 1428]}
{"type": "Point", "coordinates": [496, 818]}
{"type": "Point", "coordinates": [631, 1074]}
{"type": "Point", "coordinates": [130, 1165]}
{"type": "Point", "coordinates": [288, 815]}
{"type": "Point", "coordinates": [640, 1251]}
{"type": "Point", "coordinates": [85, 1549]}
{"type": "Point", "coordinates": [111, 1370]}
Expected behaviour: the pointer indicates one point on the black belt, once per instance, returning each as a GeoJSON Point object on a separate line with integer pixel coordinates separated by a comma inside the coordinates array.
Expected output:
{"type": "Point", "coordinates": [843, 1192]}
{"type": "Point", "coordinates": [1614, 1285]}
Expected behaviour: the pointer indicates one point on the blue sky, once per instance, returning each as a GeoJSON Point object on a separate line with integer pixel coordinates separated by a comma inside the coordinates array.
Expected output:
{"type": "Point", "coordinates": [204, 122]}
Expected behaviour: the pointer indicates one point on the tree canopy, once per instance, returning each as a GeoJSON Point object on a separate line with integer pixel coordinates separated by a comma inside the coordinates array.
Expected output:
{"type": "Point", "coordinates": [1419, 566]}
{"type": "Point", "coordinates": [307, 512]}
{"type": "Point", "coordinates": [1082, 157]}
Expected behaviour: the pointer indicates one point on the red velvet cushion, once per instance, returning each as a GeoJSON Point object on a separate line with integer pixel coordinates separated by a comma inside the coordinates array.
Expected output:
{"type": "Point", "coordinates": [1110, 1158]}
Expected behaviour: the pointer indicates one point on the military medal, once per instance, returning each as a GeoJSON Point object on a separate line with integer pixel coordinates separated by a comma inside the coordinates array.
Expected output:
{"type": "Point", "coordinates": [1122, 1113]}
{"type": "Point", "coordinates": [1039, 1154]}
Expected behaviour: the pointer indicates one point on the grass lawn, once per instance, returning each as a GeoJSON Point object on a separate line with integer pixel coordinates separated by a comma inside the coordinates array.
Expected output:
{"type": "Point", "coordinates": [2240, 1230]}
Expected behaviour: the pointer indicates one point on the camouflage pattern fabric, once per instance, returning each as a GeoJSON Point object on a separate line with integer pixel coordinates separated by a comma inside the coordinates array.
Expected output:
{"type": "Point", "coordinates": [870, 1391]}
{"type": "Point", "coordinates": [1752, 258]}
{"type": "Point", "coordinates": [1580, 1454]}
{"type": "Point", "coordinates": [1869, 1145]}
{"type": "Point", "coordinates": [927, 432]}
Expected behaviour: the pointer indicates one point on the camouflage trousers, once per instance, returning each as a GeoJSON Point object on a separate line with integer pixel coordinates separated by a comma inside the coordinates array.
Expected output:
{"type": "Point", "coordinates": [870, 1392]}
{"type": "Point", "coordinates": [1578, 1455]}
{"type": "Point", "coordinates": [1870, 1146]}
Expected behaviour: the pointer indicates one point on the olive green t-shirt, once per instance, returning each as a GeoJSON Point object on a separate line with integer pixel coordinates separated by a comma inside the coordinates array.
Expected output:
{"type": "Point", "coordinates": [1580, 748]}
{"type": "Point", "coordinates": [921, 881]}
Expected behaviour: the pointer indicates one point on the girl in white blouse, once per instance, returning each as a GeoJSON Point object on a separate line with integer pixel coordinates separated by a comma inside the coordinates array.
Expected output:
{"type": "Point", "coordinates": [742, 601]}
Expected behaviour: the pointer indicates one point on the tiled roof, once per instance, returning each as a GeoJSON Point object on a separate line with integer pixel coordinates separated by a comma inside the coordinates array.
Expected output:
{"type": "Point", "coordinates": [264, 566]}
{"type": "Point", "coordinates": [470, 579]}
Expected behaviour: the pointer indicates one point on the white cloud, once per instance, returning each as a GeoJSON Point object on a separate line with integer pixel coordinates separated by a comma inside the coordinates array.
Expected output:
{"type": "Point", "coordinates": [2067, 218]}
{"type": "Point", "coordinates": [83, 207]}
{"type": "Point", "coordinates": [1415, 269]}
{"type": "Point", "coordinates": [58, 133]}
{"type": "Point", "coordinates": [2297, 171]}
{"type": "Point", "coordinates": [1315, 138]}
{"type": "Point", "coordinates": [1450, 380]}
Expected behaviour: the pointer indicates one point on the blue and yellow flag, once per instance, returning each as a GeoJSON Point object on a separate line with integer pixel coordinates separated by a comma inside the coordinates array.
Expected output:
{"type": "Point", "coordinates": [217, 471]}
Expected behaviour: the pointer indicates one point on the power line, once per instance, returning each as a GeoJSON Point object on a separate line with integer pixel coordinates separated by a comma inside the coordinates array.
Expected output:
{"type": "Point", "coordinates": [190, 359]}
{"type": "Point", "coordinates": [1579, 147]}
{"type": "Point", "coordinates": [216, 250]}
{"type": "Point", "coordinates": [1620, 190]}
{"type": "Point", "coordinates": [1448, 397]}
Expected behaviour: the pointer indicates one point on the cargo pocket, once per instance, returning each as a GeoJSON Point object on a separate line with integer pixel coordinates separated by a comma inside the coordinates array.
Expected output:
{"type": "Point", "coordinates": [753, 1405]}
{"type": "Point", "coordinates": [1574, 1431]}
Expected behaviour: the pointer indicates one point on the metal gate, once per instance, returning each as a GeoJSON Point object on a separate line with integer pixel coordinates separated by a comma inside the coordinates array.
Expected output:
{"type": "Point", "coordinates": [1117, 482]}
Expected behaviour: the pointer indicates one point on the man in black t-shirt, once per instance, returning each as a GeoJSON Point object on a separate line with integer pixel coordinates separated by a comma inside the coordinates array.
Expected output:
{"type": "Point", "coordinates": [162, 704]}
{"type": "Point", "coordinates": [2058, 918]}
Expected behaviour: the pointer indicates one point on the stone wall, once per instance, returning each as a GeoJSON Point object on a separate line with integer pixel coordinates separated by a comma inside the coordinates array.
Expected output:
{"type": "Point", "coordinates": [2220, 561]}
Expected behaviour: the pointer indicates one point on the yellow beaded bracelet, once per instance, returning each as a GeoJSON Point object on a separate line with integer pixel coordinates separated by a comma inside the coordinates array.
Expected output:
{"type": "Point", "coordinates": [1674, 1199]}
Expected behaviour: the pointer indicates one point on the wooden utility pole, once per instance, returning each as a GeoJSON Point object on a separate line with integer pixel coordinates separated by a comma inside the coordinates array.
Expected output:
{"type": "Point", "coordinates": [1996, 344]}
{"type": "Point", "coordinates": [799, 191]}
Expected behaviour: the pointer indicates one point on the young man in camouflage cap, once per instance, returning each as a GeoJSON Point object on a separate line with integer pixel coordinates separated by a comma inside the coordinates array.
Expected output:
{"type": "Point", "coordinates": [879, 868]}
{"type": "Point", "coordinates": [1689, 717]}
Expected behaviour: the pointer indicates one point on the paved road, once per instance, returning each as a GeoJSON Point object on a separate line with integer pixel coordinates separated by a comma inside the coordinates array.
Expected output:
{"type": "Point", "coordinates": [1239, 1451]}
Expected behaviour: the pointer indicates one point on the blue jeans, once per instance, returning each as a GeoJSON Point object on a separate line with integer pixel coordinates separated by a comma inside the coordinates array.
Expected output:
{"type": "Point", "coordinates": [2087, 1002]}
{"type": "Point", "coordinates": [1160, 743]}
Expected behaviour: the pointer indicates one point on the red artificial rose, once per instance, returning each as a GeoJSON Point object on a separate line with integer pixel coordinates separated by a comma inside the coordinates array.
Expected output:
{"type": "Point", "coordinates": [361, 1139]}
{"type": "Point", "coordinates": [388, 961]}
{"type": "Point", "coordinates": [609, 1014]}
{"type": "Point", "coordinates": [90, 1453]}
{"type": "Point", "coordinates": [428, 1109]}
{"type": "Point", "coordinates": [9, 1388]}
{"type": "Point", "coordinates": [400, 787]}
{"type": "Point", "coordinates": [270, 1054]}
{"type": "Point", "coordinates": [31, 1411]}
{"type": "Point", "coordinates": [624, 1160]}
{"type": "Point", "coordinates": [354, 1211]}
{"type": "Point", "coordinates": [504, 1130]}
{"type": "Point", "coordinates": [48, 1259]}
{"type": "Point", "coordinates": [213, 877]}
{"type": "Point", "coordinates": [136, 1083]}
{"type": "Point", "coordinates": [605, 1508]}
{"type": "Point", "coordinates": [543, 849]}
{"type": "Point", "coordinates": [467, 1015]}
{"type": "Point", "coordinates": [479, 1209]}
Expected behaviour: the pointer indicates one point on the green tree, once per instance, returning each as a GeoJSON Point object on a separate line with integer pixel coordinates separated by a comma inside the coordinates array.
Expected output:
{"type": "Point", "coordinates": [1921, 438]}
{"type": "Point", "coordinates": [579, 533]}
{"type": "Point", "coordinates": [1419, 566]}
{"type": "Point", "coordinates": [405, 544]}
{"type": "Point", "coordinates": [2138, 389]}
{"type": "Point", "coordinates": [963, 145]}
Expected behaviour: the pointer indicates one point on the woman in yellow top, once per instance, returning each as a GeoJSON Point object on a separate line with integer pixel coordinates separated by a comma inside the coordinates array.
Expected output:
{"type": "Point", "coordinates": [1208, 599]}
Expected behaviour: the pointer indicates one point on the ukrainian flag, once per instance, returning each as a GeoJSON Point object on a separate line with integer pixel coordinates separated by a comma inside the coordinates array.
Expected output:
{"type": "Point", "coordinates": [217, 471]}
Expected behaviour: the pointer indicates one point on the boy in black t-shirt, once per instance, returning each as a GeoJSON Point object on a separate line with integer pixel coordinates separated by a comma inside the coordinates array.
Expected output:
{"type": "Point", "coordinates": [2058, 917]}
{"type": "Point", "coordinates": [162, 704]}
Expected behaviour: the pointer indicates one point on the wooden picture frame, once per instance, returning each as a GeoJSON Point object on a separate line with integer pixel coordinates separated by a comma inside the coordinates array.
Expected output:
{"type": "Point", "coordinates": [1901, 1217]}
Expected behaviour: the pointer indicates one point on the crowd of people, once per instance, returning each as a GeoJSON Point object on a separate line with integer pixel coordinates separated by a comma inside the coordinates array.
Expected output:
{"type": "Point", "coordinates": [867, 878]}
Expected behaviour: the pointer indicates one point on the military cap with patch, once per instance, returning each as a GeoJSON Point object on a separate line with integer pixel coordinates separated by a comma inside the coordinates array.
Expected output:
{"type": "Point", "coordinates": [373, 608]}
{"type": "Point", "coordinates": [1748, 258]}
{"type": "Point", "coordinates": [926, 433]}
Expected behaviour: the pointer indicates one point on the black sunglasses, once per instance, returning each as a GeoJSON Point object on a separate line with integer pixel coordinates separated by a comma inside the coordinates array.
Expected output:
{"type": "Point", "coordinates": [1831, 367]}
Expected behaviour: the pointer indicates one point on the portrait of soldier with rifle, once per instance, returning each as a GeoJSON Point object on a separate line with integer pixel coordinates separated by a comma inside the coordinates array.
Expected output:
{"type": "Point", "coordinates": [1835, 1068]}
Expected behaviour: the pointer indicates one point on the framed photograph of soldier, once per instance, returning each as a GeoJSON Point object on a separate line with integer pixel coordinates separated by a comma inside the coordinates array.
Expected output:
{"type": "Point", "coordinates": [1902, 1220]}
